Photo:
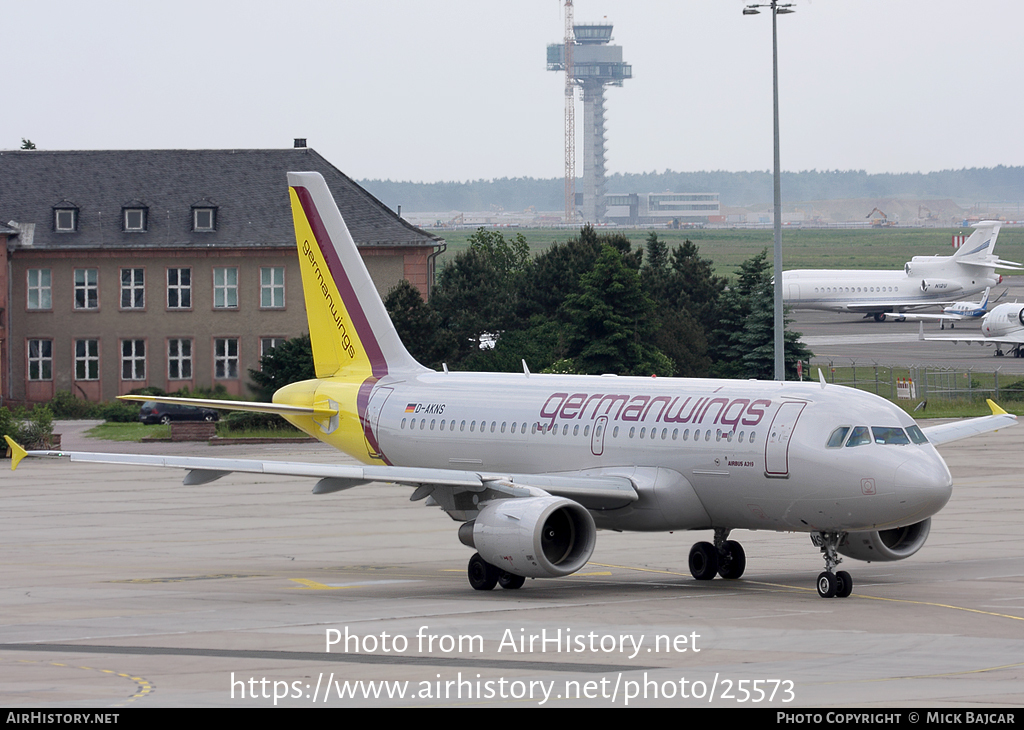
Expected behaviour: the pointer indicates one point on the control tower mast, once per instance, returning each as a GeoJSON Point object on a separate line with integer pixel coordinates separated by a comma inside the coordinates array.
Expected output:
{"type": "Point", "coordinates": [570, 120]}
{"type": "Point", "coordinates": [593, 64]}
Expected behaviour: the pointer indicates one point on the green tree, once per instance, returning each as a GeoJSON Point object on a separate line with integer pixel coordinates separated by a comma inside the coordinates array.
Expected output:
{"type": "Point", "coordinates": [418, 326]}
{"type": "Point", "coordinates": [695, 285]}
{"type": "Point", "coordinates": [744, 344]}
{"type": "Point", "coordinates": [685, 291]}
{"type": "Point", "coordinates": [27, 144]}
{"type": "Point", "coordinates": [610, 321]}
{"type": "Point", "coordinates": [289, 362]}
{"type": "Point", "coordinates": [507, 257]}
{"type": "Point", "coordinates": [554, 275]}
{"type": "Point", "coordinates": [471, 303]}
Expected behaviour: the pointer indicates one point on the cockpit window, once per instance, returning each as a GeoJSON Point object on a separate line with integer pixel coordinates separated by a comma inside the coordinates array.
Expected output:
{"type": "Point", "coordinates": [916, 435]}
{"type": "Point", "coordinates": [836, 439]}
{"type": "Point", "coordinates": [859, 437]}
{"type": "Point", "coordinates": [888, 435]}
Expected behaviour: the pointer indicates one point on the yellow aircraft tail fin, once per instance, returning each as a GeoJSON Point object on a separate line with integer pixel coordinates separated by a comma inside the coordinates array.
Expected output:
{"type": "Point", "coordinates": [350, 330]}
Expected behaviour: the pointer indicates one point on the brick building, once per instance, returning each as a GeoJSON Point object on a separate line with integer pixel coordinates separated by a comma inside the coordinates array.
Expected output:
{"type": "Point", "coordinates": [165, 268]}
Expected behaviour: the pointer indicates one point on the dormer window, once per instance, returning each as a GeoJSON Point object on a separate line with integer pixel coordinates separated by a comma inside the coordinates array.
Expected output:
{"type": "Point", "coordinates": [65, 217]}
{"type": "Point", "coordinates": [134, 219]}
{"type": "Point", "coordinates": [204, 219]}
{"type": "Point", "coordinates": [204, 216]}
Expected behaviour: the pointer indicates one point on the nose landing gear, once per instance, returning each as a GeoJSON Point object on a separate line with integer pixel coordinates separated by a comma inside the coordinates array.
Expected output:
{"type": "Point", "coordinates": [832, 584]}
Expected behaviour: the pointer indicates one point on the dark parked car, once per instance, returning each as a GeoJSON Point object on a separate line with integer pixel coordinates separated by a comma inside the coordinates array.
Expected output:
{"type": "Point", "coordinates": [153, 412]}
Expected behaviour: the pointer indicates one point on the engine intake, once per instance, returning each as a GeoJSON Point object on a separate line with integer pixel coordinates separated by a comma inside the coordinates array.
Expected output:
{"type": "Point", "coordinates": [887, 545]}
{"type": "Point", "coordinates": [535, 537]}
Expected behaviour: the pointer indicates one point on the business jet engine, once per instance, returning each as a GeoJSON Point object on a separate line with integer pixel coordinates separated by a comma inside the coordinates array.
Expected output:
{"type": "Point", "coordinates": [534, 537]}
{"type": "Point", "coordinates": [886, 545]}
{"type": "Point", "coordinates": [946, 286]}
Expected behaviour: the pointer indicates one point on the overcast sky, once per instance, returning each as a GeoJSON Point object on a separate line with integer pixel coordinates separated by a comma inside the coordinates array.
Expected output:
{"type": "Point", "coordinates": [457, 89]}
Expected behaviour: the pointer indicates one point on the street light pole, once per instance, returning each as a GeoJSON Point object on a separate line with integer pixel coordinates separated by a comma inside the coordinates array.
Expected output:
{"type": "Point", "coordinates": [777, 8]}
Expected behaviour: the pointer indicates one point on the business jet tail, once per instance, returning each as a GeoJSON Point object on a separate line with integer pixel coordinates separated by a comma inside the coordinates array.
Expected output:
{"type": "Point", "coordinates": [979, 249]}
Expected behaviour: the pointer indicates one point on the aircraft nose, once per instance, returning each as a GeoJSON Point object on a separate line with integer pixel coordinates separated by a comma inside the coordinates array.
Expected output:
{"type": "Point", "coordinates": [925, 483]}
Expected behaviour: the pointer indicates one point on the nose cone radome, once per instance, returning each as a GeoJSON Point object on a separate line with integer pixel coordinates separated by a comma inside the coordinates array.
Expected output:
{"type": "Point", "coordinates": [924, 484]}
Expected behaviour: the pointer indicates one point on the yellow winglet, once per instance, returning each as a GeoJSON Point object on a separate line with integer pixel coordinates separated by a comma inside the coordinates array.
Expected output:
{"type": "Point", "coordinates": [17, 453]}
{"type": "Point", "coordinates": [996, 410]}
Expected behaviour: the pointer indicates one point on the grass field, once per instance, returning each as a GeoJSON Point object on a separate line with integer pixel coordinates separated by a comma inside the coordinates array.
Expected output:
{"type": "Point", "coordinates": [111, 431]}
{"type": "Point", "coordinates": [949, 394]}
{"type": "Point", "coordinates": [864, 248]}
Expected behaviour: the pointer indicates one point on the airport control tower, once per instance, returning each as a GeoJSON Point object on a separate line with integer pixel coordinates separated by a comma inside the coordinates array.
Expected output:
{"type": "Point", "coordinates": [595, 64]}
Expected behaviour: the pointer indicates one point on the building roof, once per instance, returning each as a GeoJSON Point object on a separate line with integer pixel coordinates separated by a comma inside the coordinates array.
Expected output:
{"type": "Point", "coordinates": [248, 188]}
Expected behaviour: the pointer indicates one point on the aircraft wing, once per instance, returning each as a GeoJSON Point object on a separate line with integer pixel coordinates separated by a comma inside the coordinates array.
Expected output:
{"type": "Point", "coordinates": [966, 428]}
{"type": "Point", "coordinates": [592, 491]}
{"type": "Point", "coordinates": [1016, 338]}
{"type": "Point", "coordinates": [895, 308]}
{"type": "Point", "coordinates": [1011, 338]}
{"type": "Point", "coordinates": [932, 317]}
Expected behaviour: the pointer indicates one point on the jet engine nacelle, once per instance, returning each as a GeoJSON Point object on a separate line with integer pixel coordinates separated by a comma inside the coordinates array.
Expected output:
{"type": "Point", "coordinates": [886, 545]}
{"type": "Point", "coordinates": [941, 285]}
{"type": "Point", "coordinates": [535, 537]}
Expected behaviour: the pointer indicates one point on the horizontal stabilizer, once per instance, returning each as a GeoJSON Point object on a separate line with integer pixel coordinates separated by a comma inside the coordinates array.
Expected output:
{"type": "Point", "coordinates": [237, 405]}
{"type": "Point", "coordinates": [995, 264]}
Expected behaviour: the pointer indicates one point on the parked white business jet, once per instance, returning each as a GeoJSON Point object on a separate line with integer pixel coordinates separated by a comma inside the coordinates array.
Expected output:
{"type": "Point", "coordinates": [956, 312]}
{"type": "Point", "coordinates": [533, 465]}
{"type": "Point", "coordinates": [1004, 325]}
{"type": "Point", "coordinates": [925, 280]}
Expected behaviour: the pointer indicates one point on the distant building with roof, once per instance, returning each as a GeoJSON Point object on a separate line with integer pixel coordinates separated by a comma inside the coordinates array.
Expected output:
{"type": "Point", "coordinates": [671, 209]}
{"type": "Point", "coordinates": [166, 268]}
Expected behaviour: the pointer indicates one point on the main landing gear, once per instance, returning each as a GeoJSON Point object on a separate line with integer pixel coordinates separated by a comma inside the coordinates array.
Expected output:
{"type": "Point", "coordinates": [483, 576]}
{"type": "Point", "coordinates": [725, 558]}
{"type": "Point", "coordinates": [832, 584]}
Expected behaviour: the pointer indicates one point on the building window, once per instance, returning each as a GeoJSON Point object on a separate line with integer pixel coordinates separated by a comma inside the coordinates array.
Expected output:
{"type": "Point", "coordinates": [179, 359]}
{"type": "Point", "coordinates": [133, 289]}
{"type": "Point", "coordinates": [65, 220]}
{"type": "Point", "coordinates": [87, 288]}
{"type": "Point", "coordinates": [87, 359]}
{"type": "Point", "coordinates": [225, 288]}
{"type": "Point", "coordinates": [39, 291]}
{"type": "Point", "coordinates": [133, 359]}
{"type": "Point", "coordinates": [225, 358]}
{"type": "Point", "coordinates": [40, 359]}
{"type": "Point", "coordinates": [134, 219]}
{"type": "Point", "coordinates": [179, 288]}
{"type": "Point", "coordinates": [269, 343]}
{"type": "Point", "coordinates": [204, 219]}
{"type": "Point", "coordinates": [272, 287]}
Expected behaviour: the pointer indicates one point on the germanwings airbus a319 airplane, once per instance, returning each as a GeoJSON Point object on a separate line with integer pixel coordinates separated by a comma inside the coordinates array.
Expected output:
{"type": "Point", "coordinates": [924, 281]}
{"type": "Point", "coordinates": [534, 465]}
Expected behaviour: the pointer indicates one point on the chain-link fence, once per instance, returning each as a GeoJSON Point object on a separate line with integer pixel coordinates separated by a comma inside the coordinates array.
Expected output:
{"type": "Point", "coordinates": [918, 382]}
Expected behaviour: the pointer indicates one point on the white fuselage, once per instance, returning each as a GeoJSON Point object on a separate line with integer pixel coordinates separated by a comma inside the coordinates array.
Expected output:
{"type": "Point", "coordinates": [703, 453]}
{"type": "Point", "coordinates": [924, 280]}
{"type": "Point", "coordinates": [1004, 320]}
